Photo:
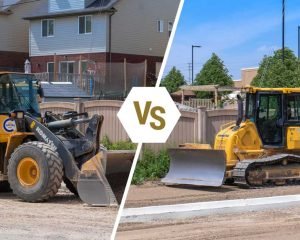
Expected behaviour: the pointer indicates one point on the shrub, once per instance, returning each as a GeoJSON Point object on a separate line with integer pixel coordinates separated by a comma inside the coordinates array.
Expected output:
{"type": "Point", "coordinates": [121, 145]}
{"type": "Point", "coordinates": [151, 166]}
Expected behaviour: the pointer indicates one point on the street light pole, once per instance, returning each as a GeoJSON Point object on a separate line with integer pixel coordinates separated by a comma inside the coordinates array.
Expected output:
{"type": "Point", "coordinates": [193, 46]}
{"type": "Point", "coordinates": [298, 42]}
{"type": "Point", "coordinates": [283, 28]}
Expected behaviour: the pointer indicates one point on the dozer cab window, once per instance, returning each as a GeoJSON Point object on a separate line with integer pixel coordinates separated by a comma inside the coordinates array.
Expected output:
{"type": "Point", "coordinates": [293, 108]}
{"type": "Point", "coordinates": [250, 106]}
{"type": "Point", "coordinates": [269, 117]}
{"type": "Point", "coordinates": [18, 92]}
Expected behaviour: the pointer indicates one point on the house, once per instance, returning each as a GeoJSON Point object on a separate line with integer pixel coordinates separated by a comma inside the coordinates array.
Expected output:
{"type": "Point", "coordinates": [248, 74]}
{"type": "Point", "coordinates": [14, 39]}
{"type": "Point", "coordinates": [124, 41]}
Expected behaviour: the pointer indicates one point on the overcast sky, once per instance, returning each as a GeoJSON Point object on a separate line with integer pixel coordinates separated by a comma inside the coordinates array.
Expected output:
{"type": "Point", "coordinates": [240, 32]}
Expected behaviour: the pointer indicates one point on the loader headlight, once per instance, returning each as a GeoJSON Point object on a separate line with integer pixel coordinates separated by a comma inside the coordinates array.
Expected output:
{"type": "Point", "coordinates": [20, 115]}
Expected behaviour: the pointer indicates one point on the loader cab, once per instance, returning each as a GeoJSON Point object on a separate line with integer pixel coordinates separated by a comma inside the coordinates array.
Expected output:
{"type": "Point", "coordinates": [18, 92]}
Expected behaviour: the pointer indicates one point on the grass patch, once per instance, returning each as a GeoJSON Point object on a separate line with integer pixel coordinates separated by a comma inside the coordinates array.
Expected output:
{"type": "Point", "coordinates": [121, 145]}
{"type": "Point", "coordinates": [151, 166]}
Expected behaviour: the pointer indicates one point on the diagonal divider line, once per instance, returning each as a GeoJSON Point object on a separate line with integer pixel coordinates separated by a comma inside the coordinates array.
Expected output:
{"type": "Point", "coordinates": [137, 154]}
{"type": "Point", "coordinates": [139, 147]}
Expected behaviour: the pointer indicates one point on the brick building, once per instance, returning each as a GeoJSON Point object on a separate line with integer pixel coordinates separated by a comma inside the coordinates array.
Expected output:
{"type": "Point", "coordinates": [72, 36]}
{"type": "Point", "coordinates": [14, 39]}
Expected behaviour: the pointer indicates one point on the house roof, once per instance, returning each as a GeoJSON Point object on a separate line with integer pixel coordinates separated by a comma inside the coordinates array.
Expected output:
{"type": "Point", "coordinates": [95, 7]}
{"type": "Point", "coordinates": [8, 9]}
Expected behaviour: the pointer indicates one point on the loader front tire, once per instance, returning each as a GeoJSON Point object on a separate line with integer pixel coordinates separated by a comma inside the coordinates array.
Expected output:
{"type": "Point", "coordinates": [35, 172]}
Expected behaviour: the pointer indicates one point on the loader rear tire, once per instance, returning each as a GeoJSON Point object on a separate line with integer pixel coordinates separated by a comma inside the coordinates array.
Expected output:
{"type": "Point", "coordinates": [40, 180]}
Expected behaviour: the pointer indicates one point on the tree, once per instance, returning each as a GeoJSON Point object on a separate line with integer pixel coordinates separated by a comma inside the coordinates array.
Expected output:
{"type": "Point", "coordinates": [213, 72]}
{"type": "Point", "coordinates": [173, 80]}
{"type": "Point", "coordinates": [273, 72]}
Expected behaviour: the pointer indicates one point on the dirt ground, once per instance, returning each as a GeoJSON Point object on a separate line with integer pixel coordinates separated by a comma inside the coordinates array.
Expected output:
{"type": "Point", "coordinates": [155, 193]}
{"type": "Point", "coordinates": [63, 217]}
{"type": "Point", "coordinates": [268, 225]}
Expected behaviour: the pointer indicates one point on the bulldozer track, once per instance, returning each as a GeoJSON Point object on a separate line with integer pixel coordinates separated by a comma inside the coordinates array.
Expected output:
{"type": "Point", "coordinates": [243, 169]}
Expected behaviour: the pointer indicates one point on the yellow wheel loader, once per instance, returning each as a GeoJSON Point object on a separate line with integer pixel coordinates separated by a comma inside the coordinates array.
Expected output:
{"type": "Point", "coordinates": [38, 153]}
{"type": "Point", "coordinates": [261, 149]}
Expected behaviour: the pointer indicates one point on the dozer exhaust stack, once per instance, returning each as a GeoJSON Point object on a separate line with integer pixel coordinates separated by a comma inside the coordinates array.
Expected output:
{"type": "Point", "coordinates": [201, 167]}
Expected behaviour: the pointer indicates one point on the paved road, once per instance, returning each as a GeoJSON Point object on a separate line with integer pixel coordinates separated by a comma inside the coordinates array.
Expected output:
{"type": "Point", "coordinates": [280, 222]}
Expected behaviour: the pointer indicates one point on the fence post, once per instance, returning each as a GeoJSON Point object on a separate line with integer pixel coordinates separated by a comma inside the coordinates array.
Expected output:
{"type": "Point", "coordinates": [145, 74]}
{"type": "Point", "coordinates": [125, 77]}
{"type": "Point", "coordinates": [55, 69]}
{"type": "Point", "coordinates": [202, 117]}
{"type": "Point", "coordinates": [79, 107]}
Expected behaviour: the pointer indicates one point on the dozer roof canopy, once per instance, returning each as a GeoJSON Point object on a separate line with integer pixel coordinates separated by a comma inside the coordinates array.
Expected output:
{"type": "Point", "coordinates": [282, 90]}
{"type": "Point", "coordinates": [18, 91]}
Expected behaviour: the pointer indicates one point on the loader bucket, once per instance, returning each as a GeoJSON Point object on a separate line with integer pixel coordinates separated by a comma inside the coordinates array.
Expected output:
{"type": "Point", "coordinates": [119, 161]}
{"type": "Point", "coordinates": [201, 167]}
{"type": "Point", "coordinates": [93, 187]}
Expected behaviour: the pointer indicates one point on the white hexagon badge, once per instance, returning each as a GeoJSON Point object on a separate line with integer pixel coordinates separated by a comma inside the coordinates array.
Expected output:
{"type": "Point", "coordinates": [149, 115]}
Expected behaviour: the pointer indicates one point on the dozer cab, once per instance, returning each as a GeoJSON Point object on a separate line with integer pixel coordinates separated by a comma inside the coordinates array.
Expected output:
{"type": "Point", "coordinates": [38, 153]}
{"type": "Point", "coordinates": [261, 149]}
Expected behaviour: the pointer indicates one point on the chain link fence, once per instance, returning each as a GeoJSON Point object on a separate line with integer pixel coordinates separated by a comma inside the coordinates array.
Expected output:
{"type": "Point", "coordinates": [104, 80]}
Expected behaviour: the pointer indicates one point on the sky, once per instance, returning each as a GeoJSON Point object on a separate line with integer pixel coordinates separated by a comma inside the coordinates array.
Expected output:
{"type": "Point", "coordinates": [240, 32]}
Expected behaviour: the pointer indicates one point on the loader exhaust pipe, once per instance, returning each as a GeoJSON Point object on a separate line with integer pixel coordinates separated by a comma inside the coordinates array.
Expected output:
{"type": "Point", "coordinates": [240, 110]}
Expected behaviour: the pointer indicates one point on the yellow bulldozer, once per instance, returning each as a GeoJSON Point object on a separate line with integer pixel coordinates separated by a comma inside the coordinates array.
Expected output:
{"type": "Point", "coordinates": [38, 152]}
{"type": "Point", "coordinates": [262, 148]}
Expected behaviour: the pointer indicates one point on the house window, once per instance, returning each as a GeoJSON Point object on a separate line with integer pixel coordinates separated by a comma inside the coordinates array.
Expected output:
{"type": "Point", "coordinates": [50, 67]}
{"type": "Point", "coordinates": [160, 26]}
{"type": "Point", "coordinates": [47, 27]}
{"type": "Point", "coordinates": [50, 70]}
{"type": "Point", "coordinates": [85, 24]}
{"type": "Point", "coordinates": [84, 67]}
{"type": "Point", "coordinates": [170, 27]}
{"type": "Point", "coordinates": [67, 70]}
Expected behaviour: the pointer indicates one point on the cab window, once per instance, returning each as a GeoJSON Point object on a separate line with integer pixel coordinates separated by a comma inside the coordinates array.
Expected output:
{"type": "Point", "coordinates": [293, 108]}
{"type": "Point", "coordinates": [250, 106]}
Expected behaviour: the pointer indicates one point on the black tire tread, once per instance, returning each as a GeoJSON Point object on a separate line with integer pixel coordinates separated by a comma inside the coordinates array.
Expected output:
{"type": "Point", "coordinates": [55, 168]}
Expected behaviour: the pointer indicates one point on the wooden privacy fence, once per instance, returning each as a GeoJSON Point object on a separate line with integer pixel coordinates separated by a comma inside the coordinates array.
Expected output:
{"type": "Point", "coordinates": [108, 108]}
{"type": "Point", "coordinates": [199, 127]}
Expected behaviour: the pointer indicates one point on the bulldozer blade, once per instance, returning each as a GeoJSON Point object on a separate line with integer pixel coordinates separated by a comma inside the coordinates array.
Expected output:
{"type": "Point", "coordinates": [201, 167]}
{"type": "Point", "coordinates": [93, 187]}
